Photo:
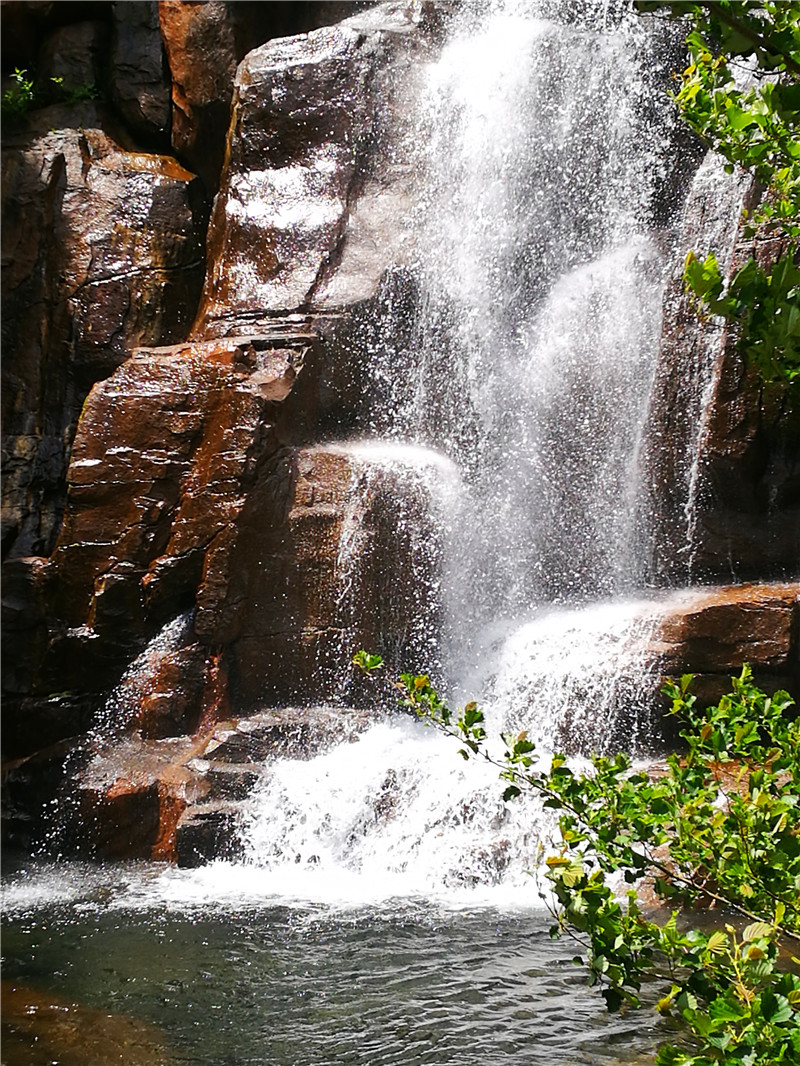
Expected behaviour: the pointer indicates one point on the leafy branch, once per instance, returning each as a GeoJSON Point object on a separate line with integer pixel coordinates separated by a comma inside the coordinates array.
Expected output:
{"type": "Point", "coordinates": [716, 827]}
{"type": "Point", "coordinates": [754, 126]}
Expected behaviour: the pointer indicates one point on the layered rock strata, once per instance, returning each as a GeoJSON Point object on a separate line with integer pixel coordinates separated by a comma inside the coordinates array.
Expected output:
{"type": "Point", "coordinates": [102, 252]}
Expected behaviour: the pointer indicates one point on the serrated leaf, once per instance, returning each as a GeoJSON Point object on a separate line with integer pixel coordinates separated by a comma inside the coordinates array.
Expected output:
{"type": "Point", "coordinates": [716, 943]}
{"type": "Point", "coordinates": [756, 930]}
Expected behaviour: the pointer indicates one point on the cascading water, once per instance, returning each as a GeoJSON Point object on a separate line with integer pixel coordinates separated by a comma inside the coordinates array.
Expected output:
{"type": "Point", "coordinates": [400, 509]}
{"type": "Point", "coordinates": [541, 150]}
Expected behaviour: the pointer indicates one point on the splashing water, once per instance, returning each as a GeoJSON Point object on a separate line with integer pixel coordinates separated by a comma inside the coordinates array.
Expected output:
{"type": "Point", "coordinates": [125, 701]}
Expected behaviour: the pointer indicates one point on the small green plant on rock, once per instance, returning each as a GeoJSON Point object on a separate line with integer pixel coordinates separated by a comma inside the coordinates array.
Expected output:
{"type": "Point", "coordinates": [716, 827]}
{"type": "Point", "coordinates": [18, 99]}
{"type": "Point", "coordinates": [25, 94]}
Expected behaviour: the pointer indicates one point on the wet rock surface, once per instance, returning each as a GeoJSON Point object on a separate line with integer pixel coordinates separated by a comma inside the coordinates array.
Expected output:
{"type": "Point", "coordinates": [102, 252]}
{"type": "Point", "coordinates": [715, 630]}
{"type": "Point", "coordinates": [724, 448]}
{"type": "Point", "coordinates": [139, 81]}
{"type": "Point", "coordinates": [204, 43]}
{"type": "Point", "coordinates": [310, 206]}
{"type": "Point", "coordinates": [179, 799]}
{"type": "Point", "coordinates": [167, 452]}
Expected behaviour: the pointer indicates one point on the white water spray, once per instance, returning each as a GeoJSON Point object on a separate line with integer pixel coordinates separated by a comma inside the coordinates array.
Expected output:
{"type": "Point", "coordinates": [541, 148]}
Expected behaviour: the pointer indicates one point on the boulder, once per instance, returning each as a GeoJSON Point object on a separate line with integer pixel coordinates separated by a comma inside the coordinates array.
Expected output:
{"type": "Point", "coordinates": [711, 632]}
{"type": "Point", "coordinates": [204, 44]}
{"type": "Point", "coordinates": [309, 213]}
{"type": "Point", "coordinates": [130, 797]}
{"type": "Point", "coordinates": [72, 57]}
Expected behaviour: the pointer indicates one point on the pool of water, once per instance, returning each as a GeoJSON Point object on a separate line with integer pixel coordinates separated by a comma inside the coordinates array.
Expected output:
{"type": "Point", "coordinates": [101, 965]}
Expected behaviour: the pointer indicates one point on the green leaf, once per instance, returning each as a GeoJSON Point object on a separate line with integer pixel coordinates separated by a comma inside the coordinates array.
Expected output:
{"type": "Point", "coordinates": [757, 930]}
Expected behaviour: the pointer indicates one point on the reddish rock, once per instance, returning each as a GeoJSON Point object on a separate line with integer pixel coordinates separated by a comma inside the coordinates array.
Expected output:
{"type": "Point", "coordinates": [39, 1026]}
{"type": "Point", "coordinates": [713, 632]}
{"type": "Point", "coordinates": [167, 452]}
{"type": "Point", "coordinates": [101, 252]}
{"type": "Point", "coordinates": [310, 207]}
{"type": "Point", "coordinates": [130, 798]}
{"type": "Point", "coordinates": [200, 43]}
{"type": "Point", "coordinates": [333, 552]}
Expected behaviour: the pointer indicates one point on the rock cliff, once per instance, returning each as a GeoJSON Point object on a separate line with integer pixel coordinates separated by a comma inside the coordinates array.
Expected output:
{"type": "Point", "coordinates": [174, 371]}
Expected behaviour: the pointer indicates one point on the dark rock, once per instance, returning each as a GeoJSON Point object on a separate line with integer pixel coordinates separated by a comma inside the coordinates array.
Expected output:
{"type": "Point", "coordinates": [31, 791]}
{"type": "Point", "coordinates": [28, 23]}
{"type": "Point", "coordinates": [139, 78]}
{"type": "Point", "coordinates": [206, 833]}
{"type": "Point", "coordinates": [74, 55]}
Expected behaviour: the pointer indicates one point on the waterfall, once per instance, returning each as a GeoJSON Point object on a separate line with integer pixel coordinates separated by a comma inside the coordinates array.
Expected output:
{"type": "Point", "coordinates": [540, 148]}
{"type": "Point", "coordinates": [541, 285]}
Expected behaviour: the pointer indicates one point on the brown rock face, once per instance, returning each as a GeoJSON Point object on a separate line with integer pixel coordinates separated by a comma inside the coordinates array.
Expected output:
{"type": "Point", "coordinates": [165, 455]}
{"type": "Point", "coordinates": [332, 553]}
{"type": "Point", "coordinates": [309, 208]}
{"type": "Point", "coordinates": [102, 251]}
{"type": "Point", "coordinates": [204, 43]}
{"type": "Point", "coordinates": [712, 632]}
{"type": "Point", "coordinates": [200, 43]}
{"type": "Point", "coordinates": [723, 449]}
{"type": "Point", "coordinates": [218, 551]}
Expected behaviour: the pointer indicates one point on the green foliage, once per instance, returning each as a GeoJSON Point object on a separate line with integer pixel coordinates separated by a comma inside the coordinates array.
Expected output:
{"type": "Point", "coordinates": [757, 127]}
{"type": "Point", "coordinates": [764, 303]}
{"type": "Point", "coordinates": [25, 94]}
{"type": "Point", "coordinates": [19, 97]}
{"type": "Point", "coordinates": [76, 95]}
{"type": "Point", "coordinates": [718, 826]}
